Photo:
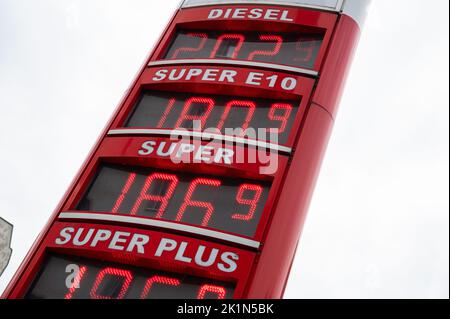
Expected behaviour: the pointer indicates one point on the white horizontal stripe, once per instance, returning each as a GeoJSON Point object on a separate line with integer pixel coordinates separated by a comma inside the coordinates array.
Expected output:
{"type": "Point", "coordinates": [202, 135]}
{"type": "Point", "coordinates": [162, 224]}
{"type": "Point", "coordinates": [314, 4]}
{"type": "Point", "coordinates": [271, 66]}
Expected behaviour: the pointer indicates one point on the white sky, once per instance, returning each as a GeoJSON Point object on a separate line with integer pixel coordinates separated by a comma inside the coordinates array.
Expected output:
{"type": "Point", "coordinates": [378, 226]}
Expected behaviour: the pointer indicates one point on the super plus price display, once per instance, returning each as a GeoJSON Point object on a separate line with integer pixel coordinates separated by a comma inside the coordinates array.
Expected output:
{"type": "Point", "coordinates": [200, 184]}
{"type": "Point", "coordinates": [99, 281]}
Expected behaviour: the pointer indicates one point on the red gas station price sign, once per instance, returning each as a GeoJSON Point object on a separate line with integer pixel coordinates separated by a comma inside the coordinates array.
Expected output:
{"type": "Point", "coordinates": [200, 184]}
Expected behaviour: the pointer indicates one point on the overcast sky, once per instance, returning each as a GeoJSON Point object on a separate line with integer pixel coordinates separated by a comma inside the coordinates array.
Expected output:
{"type": "Point", "coordinates": [378, 226]}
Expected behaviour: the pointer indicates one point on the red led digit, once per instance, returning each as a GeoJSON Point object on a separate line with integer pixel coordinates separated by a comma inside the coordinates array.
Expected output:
{"type": "Point", "coordinates": [168, 109]}
{"type": "Point", "coordinates": [219, 291]}
{"type": "Point", "coordinates": [276, 49]}
{"type": "Point", "coordinates": [123, 193]}
{"type": "Point", "coordinates": [203, 38]}
{"type": "Point", "coordinates": [185, 116]}
{"type": "Point", "coordinates": [251, 202]}
{"type": "Point", "coordinates": [248, 104]}
{"type": "Point", "coordinates": [159, 280]}
{"type": "Point", "coordinates": [286, 108]}
{"type": "Point", "coordinates": [76, 282]}
{"type": "Point", "coordinates": [115, 272]}
{"type": "Point", "coordinates": [229, 36]}
{"type": "Point", "coordinates": [162, 199]}
{"type": "Point", "coordinates": [306, 49]}
{"type": "Point", "coordinates": [189, 202]}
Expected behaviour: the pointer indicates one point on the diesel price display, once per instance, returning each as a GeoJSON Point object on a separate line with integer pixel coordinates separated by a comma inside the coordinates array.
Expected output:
{"type": "Point", "coordinates": [295, 49]}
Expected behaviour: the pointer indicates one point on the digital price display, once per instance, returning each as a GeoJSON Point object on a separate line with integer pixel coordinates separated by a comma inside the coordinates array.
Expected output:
{"type": "Point", "coordinates": [180, 110]}
{"type": "Point", "coordinates": [102, 280]}
{"type": "Point", "coordinates": [233, 205]}
{"type": "Point", "coordinates": [294, 49]}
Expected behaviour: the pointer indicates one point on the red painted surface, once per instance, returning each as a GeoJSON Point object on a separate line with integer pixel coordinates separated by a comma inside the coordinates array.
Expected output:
{"type": "Point", "coordinates": [337, 65]}
{"type": "Point", "coordinates": [262, 272]}
{"type": "Point", "coordinates": [283, 233]}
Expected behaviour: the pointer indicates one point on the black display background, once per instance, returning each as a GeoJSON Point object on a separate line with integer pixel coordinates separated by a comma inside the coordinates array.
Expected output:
{"type": "Point", "coordinates": [51, 282]}
{"type": "Point", "coordinates": [297, 49]}
{"type": "Point", "coordinates": [152, 105]}
{"type": "Point", "coordinates": [110, 180]}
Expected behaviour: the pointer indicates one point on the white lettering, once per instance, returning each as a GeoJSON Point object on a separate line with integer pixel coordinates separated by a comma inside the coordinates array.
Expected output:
{"type": "Point", "coordinates": [288, 84]}
{"type": "Point", "coordinates": [228, 262]}
{"type": "Point", "coordinates": [255, 13]}
{"type": "Point", "coordinates": [227, 75]}
{"type": "Point", "coordinates": [180, 253]}
{"type": "Point", "coordinates": [224, 155]}
{"type": "Point", "coordinates": [160, 75]}
{"type": "Point", "coordinates": [76, 239]}
{"type": "Point", "coordinates": [284, 16]}
{"type": "Point", "coordinates": [204, 153]}
{"type": "Point", "coordinates": [210, 75]}
{"type": "Point", "coordinates": [211, 259]}
{"type": "Point", "coordinates": [272, 14]}
{"type": "Point", "coordinates": [165, 245]}
{"type": "Point", "coordinates": [239, 13]}
{"type": "Point", "coordinates": [119, 237]}
{"type": "Point", "coordinates": [102, 235]}
{"type": "Point", "coordinates": [254, 78]}
{"type": "Point", "coordinates": [147, 148]}
{"type": "Point", "coordinates": [185, 149]}
{"type": "Point", "coordinates": [138, 241]}
{"type": "Point", "coordinates": [173, 76]}
{"type": "Point", "coordinates": [65, 233]}
{"type": "Point", "coordinates": [215, 13]}
{"type": "Point", "coordinates": [193, 73]}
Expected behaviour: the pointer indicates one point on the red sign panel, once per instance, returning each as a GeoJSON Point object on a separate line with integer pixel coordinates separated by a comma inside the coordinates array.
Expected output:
{"type": "Point", "coordinates": [200, 184]}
